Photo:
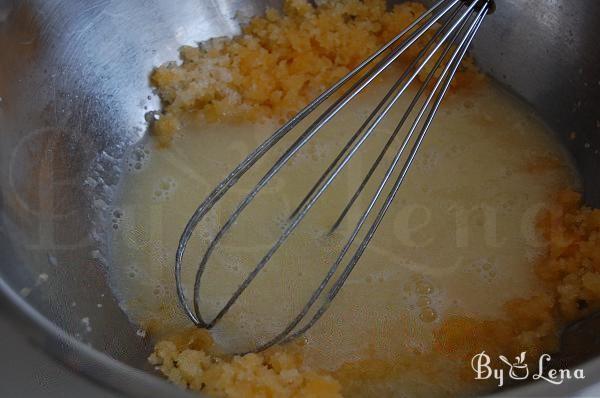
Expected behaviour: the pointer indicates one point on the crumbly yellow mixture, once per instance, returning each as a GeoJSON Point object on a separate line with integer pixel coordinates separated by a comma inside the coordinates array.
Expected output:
{"type": "Point", "coordinates": [572, 264]}
{"type": "Point", "coordinates": [570, 269]}
{"type": "Point", "coordinates": [281, 62]}
{"type": "Point", "coordinates": [187, 360]}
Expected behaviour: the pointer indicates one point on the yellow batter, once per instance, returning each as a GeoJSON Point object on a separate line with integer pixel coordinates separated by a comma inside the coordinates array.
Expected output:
{"type": "Point", "coordinates": [461, 228]}
{"type": "Point", "coordinates": [458, 246]}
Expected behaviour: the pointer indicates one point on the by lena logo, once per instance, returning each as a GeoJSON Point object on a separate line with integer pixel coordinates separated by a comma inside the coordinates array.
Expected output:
{"type": "Point", "coordinates": [519, 369]}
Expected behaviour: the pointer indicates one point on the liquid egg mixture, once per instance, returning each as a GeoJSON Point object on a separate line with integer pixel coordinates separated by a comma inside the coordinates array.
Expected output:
{"type": "Point", "coordinates": [486, 246]}
{"type": "Point", "coordinates": [459, 240]}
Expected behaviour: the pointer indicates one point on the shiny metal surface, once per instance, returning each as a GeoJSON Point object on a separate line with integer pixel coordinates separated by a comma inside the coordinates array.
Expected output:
{"type": "Point", "coordinates": [74, 91]}
{"type": "Point", "coordinates": [35, 375]}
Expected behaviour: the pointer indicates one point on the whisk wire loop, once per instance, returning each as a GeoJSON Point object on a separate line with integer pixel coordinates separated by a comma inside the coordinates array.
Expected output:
{"type": "Point", "coordinates": [460, 20]}
{"type": "Point", "coordinates": [221, 189]}
{"type": "Point", "coordinates": [304, 138]}
{"type": "Point", "coordinates": [224, 186]}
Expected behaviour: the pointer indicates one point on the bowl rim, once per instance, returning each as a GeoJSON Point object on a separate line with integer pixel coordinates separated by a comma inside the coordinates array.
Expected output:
{"type": "Point", "coordinates": [100, 368]}
{"type": "Point", "coordinates": [120, 378]}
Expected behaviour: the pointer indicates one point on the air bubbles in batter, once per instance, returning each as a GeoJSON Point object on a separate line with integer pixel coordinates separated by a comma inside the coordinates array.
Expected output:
{"type": "Point", "coordinates": [164, 189]}
{"type": "Point", "coordinates": [116, 217]}
{"type": "Point", "coordinates": [133, 271]}
{"type": "Point", "coordinates": [485, 267]}
{"type": "Point", "coordinates": [138, 158]}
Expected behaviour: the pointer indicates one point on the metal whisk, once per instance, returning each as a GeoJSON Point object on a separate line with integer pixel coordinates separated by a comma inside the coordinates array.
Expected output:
{"type": "Point", "coordinates": [453, 25]}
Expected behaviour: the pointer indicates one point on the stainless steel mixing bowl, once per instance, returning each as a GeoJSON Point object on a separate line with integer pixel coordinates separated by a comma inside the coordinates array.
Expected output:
{"type": "Point", "coordinates": [74, 91]}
